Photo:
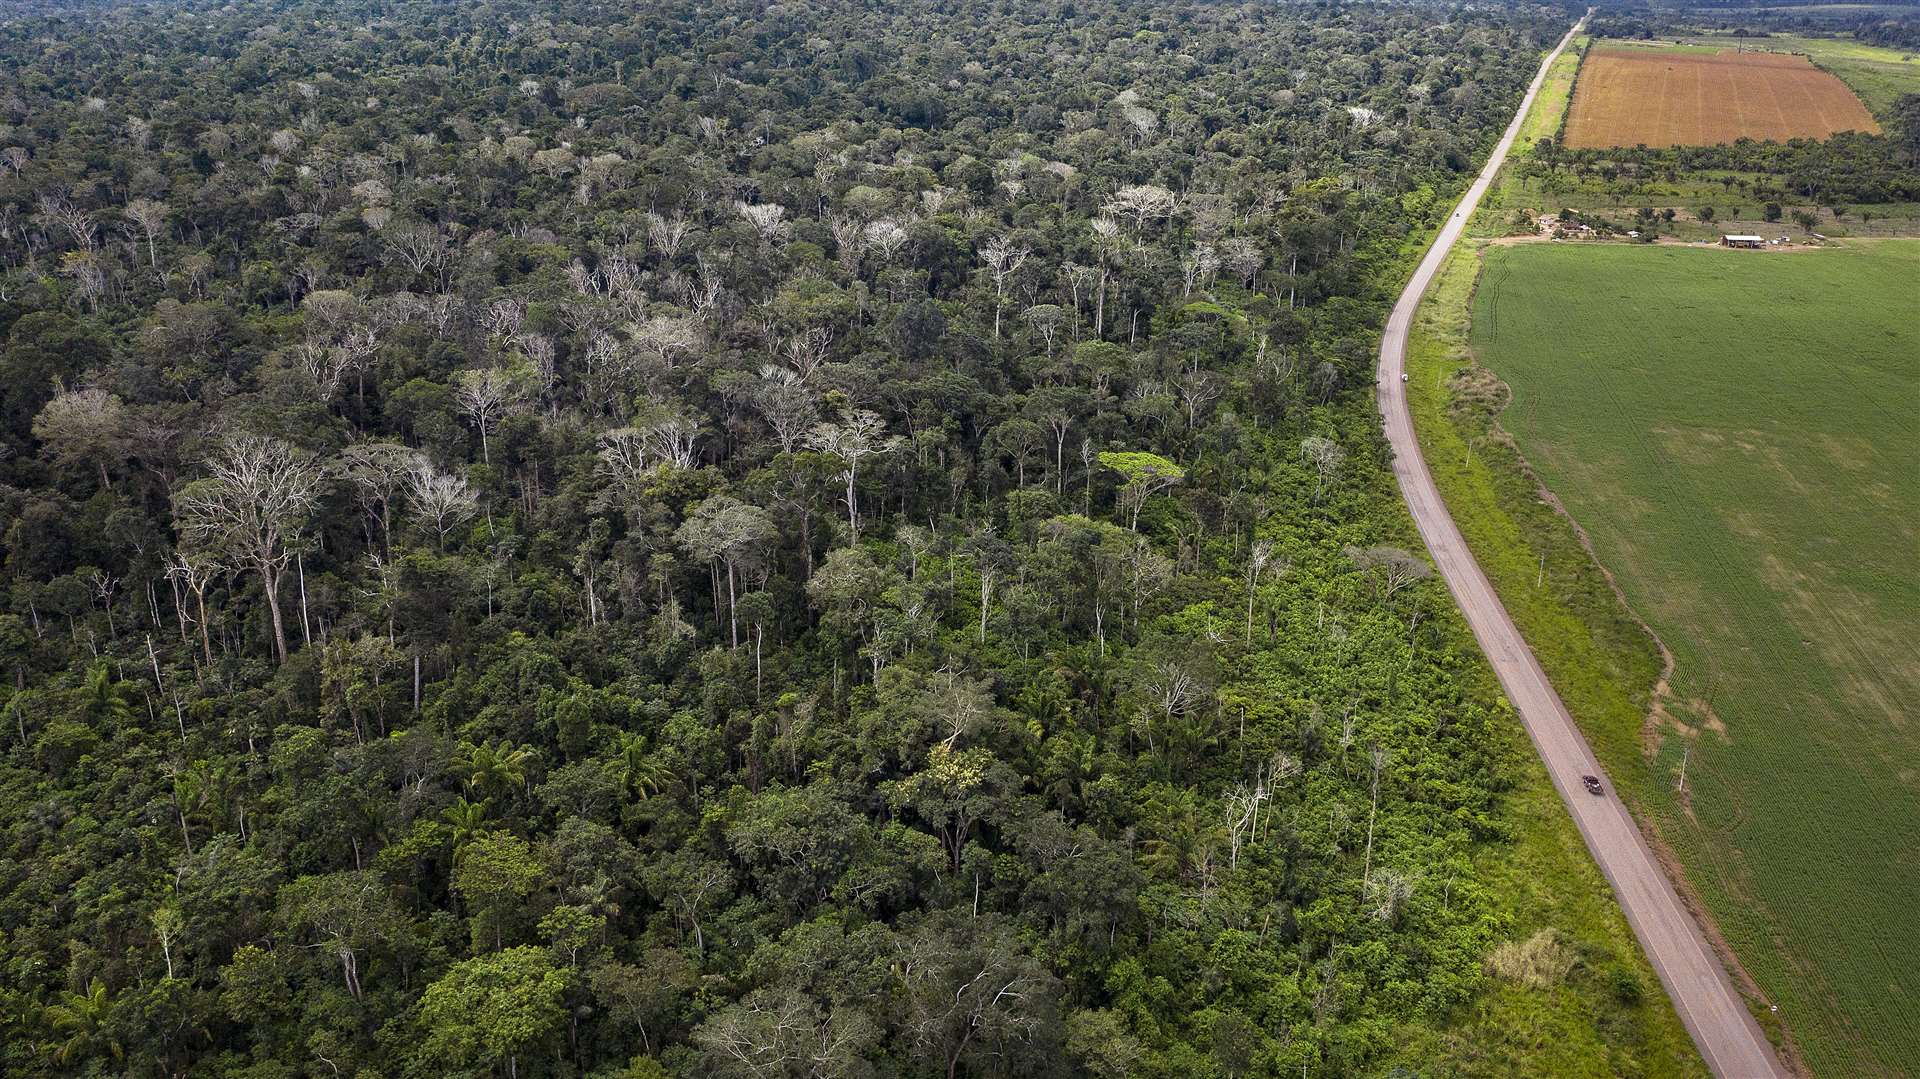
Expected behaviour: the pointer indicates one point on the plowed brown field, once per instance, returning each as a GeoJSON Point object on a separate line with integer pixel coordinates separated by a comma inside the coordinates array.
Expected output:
{"type": "Point", "coordinates": [1626, 97]}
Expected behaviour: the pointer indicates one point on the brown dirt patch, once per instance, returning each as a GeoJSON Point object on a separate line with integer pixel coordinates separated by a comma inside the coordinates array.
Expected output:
{"type": "Point", "coordinates": [1626, 97]}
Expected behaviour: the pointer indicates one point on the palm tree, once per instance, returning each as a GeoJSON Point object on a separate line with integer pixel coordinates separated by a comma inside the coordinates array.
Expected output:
{"type": "Point", "coordinates": [82, 1017]}
{"type": "Point", "coordinates": [468, 819]}
{"type": "Point", "coordinates": [494, 768]}
{"type": "Point", "coordinates": [102, 701]}
{"type": "Point", "coordinates": [1185, 837]}
{"type": "Point", "coordinates": [639, 771]}
{"type": "Point", "coordinates": [192, 786]}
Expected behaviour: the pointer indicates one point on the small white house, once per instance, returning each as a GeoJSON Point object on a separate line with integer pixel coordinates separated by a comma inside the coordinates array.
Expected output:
{"type": "Point", "coordinates": [1731, 240]}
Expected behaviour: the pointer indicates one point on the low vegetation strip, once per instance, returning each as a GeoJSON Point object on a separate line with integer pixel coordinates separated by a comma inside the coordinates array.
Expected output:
{"type": "Point", "coordinates": [1745, 463]}
{"type": "Point", "coordinates": [1631, 97]}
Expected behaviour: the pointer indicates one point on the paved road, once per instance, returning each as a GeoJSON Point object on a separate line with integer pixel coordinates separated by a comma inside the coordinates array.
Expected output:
{"type": "Point", "coordinates": [1729, 1039]}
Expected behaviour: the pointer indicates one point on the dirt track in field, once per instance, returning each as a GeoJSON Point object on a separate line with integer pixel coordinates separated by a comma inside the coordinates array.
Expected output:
{"type": "Point", "coordinates": [1626, 97]}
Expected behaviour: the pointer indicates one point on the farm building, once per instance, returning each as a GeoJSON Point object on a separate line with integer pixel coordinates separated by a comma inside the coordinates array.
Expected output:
{"type": "Point", "coordinates": [1743, 241]}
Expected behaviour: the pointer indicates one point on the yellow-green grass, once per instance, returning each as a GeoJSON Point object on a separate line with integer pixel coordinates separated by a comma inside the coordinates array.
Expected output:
{"type": "Point", "coordinates": [1740, 435]}
{"type": "Point", "coordinates": [1877, 74]}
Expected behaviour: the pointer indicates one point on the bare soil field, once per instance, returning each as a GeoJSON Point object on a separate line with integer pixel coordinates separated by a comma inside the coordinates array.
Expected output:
{"type": "Point", "coordinates": [1629, 96]}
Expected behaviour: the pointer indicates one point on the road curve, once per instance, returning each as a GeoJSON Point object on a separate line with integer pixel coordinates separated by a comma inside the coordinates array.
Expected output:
{"type": "Point", "coordinates": [1729, 1039]}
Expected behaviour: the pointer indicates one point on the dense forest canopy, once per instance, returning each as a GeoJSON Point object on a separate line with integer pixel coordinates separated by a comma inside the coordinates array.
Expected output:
{"type": "Point", "coordinates": [728, 539]}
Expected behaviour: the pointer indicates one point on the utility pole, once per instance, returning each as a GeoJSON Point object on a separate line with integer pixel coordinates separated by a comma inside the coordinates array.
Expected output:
{"type": "Point", "coordinates": [1685, 752]}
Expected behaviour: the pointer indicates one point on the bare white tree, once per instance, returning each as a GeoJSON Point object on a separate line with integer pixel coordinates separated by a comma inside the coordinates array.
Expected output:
{"type": "Point", "coordinates": [886, 236]}
{"type": "Point", "coordinates": [1003, 259]}
{"type": "Point", "coordinates": [1242, 810]}
{"type": "Point", "coordinates": [89, 275]}
{"type": "Point", "coordinates": [1377, 757]}
{"type": "Point", "coordinates": [1171, 691]}
{"type": "Point", "coordinates": [1080, 281]}
{"type": "Point", "coordinates": [503, 317]}
{"type": "Point", "coordinates": [1142, 204]}
{"type": "Point", "coordinates": [1044, 319]}
{"type": "Point", "coordinates": [1148, 574]}
{"type": "Point", "coordinates": [252, 507]}
{"type": "Point", "coordinates": [786, 405]}
{"type": "Point", "coordinates": [769, 220]}
{"type": "Point", "coordinates": [196, 570]}
{"type": "Point", "coordinates": [1388, 891]}
{"type": "Point", "coordinates": [806, 350]}
{"type": "Point", "coordinates": [552, 162]}
{"type": "Point", "coordinates": [1244, 257]}
{"type": "Point", "coordinates": [443, 500]}
{"type": "Point", "coordinates": [1394, 568]}
{"type": "Point", "coordinates": [324, 366]}
{"type": "Point", "coordinates": [1257, 558]}
{"type": "Point", "coordinates": [485, 394]}
{"type": "Point", "coordinates": [86, 425]}
{"type": "Point", "coordinates": [668, 234]}
{"type": "Point", "coordinates": [150, 217]}
{"type": "Point", "coordinates": [778, 1032]}
{"type": "Point", "coordinates": [861, 435]}
{"type": "Point", "coordinates": [672, 441]}
{"type": "Point", "coordinates": [1326, 457]}
{"type": "Point", "coordinates": [1142, 120]}
{"type": "Point", "coordinates": [1198, 389]}
{"type": "Point", "coordinates": [342, 338]}
{"type": "Point", "coordinates": [624, 457]}
{"type": "Point", "coordinates": [418, 246]}
{"type": "Point", "coordinates": [538, 348]}
{"type": "Point", "coordinates": [78, 223]}
{"type": "Point", "coordinates": [728, 532]}
{"type": "Point", "coordinates": [665, 340]}
{"type": "Point", "coordinates": [1197, 267]}
{"type": "Point", "coordinates": [1107, 242]}
{"type": "Point", "coordinates": [849, 241]}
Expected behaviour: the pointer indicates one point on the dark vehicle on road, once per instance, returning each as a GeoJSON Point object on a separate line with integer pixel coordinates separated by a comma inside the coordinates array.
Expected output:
{"type": "Point", "coordinates": [1593, 784]}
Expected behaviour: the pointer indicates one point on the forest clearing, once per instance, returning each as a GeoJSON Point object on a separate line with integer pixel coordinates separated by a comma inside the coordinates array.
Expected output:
{"type": "Point", "coordinates": [1736, 435]}
{"type": "Point", "coordinates": [1691, 97]}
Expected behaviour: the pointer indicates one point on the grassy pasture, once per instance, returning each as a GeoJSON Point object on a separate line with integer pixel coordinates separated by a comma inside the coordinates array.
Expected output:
{"type": "Point", "coordinates": [1740, 435]}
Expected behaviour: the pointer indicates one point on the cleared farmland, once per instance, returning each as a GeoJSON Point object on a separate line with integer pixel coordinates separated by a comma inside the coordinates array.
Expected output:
{"type": "Point", "coordinates": [1880, 76]}
{"type": "Point", "coordinates": [1740, 435]}
{"type": "Point", "coordinates": [1690, 97]}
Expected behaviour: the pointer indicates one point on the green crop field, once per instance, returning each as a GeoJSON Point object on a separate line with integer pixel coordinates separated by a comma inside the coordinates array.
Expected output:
{"type": "Point", "coordinates": [1740, 434]}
